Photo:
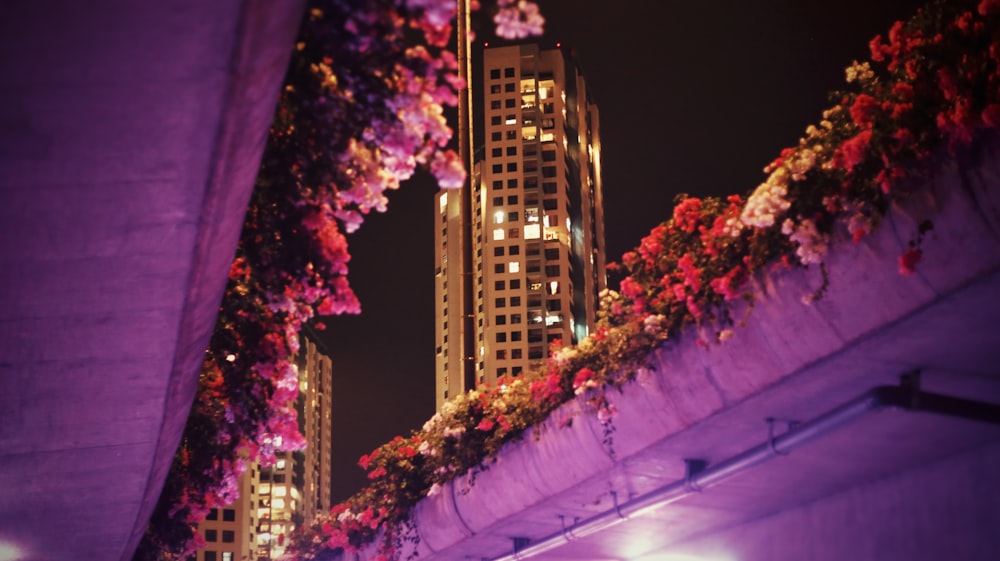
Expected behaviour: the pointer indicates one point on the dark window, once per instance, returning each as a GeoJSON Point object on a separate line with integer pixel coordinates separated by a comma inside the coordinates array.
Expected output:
{"type": "Point", "coordinates": [515, 318]}
{"type": "Point", "coordinates": [512, 183]}
{"type": "Point", "coordinates": [553, 305]}
{"type": "Point", "coordinates": [512, 199]}
{"type": "Point", "coordinates": [552, 253]}
{"type": "Point", "coordinates": [495, 88]}
{"type": "Point", "coordinates": [495, 104]}
{"type": "Point", "coordinates": [228, 536]}
{"type": "Point", "coordinates": [498, 268]}
{"type": "Point", "coordinates": [516, 353]}
{"type": "Point", "coordinates": [495, 120]}
{"type": "Point", "coordinates": [516, 370]}
{"type": "Point", "coordinates": [211, 556]}
{"type": "Point", "coordinates": [510, 87]}
{"type": "Point", "coordinates": [497, 152]}
{"type": "Point", "coordinates": [509, 102]}
{"type": "Point", "coordinates": [512, 150]}
{"type": "Point", "coordinates": [498, 251]}
{"type": "Point", "coordinates": [211, 535]}
{"type": "Point", "coordinates": [548, 155]}
{"type": "Point", "coordinates": [535, 353]}
{"type": "Point", "coordinates": [501, 354]}
{"type": "Point", "coordinates": [508, 72]}
{"type": "Point", "coordinates": [515, 335]}
{"type": "Point", "coordinates": [515, 283]}
{"type": "Point", "coordinates": [549, 188]}
{"type": "Point", "coordinates": [500, 302]}
{"type": "Point", "coordinates": [512, 217]}
{"type": "Point", "coordinates": [494, 73]}
{"type": "Point", "coordinates": [514, 250]}
{"type": "Point", "coordinates": [229, 515]}
{"type": "Point", "coordinates": [501, 337]}
{"type": "Point", "coordinates": [501, 372]}
{"type": "Point", "coordinates": [496, 136]}
{"type": "Point", "coordinates": [213, 514]}
{"type": "Point", "coordinates": [550, 204]}
{"type": "Point", "coordinates": [515, 300]}
{"type": "Point", "coordinates": [499, 285]}
{"type": "Point", "coordinates": [497, 168]}
{"type": "Point", "coordinates": [501, 320]}
{"type": "Point", "coordinates": [511, 135]}
{"type": "Point", "coordinates": [548, 107]}
{"type": "Point", "coordinates": [497, 201]}
{"type": "Point", "coordinates": [548, 171]}
{"type": "Point", "coordinates": [552, 270]}
{"type": "Point", "coordinates": [498, 184]}
{"type": "Point", "coordinates": [512, 166]}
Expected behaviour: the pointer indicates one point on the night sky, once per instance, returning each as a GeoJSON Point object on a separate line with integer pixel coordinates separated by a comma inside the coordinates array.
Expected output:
{"type": "Point", "coordinates": [695, 97]}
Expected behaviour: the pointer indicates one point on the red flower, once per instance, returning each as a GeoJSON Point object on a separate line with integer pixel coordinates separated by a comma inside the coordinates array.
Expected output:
{"type": "Point", "coordinates": [380, 472]}
{"type": "Point", "coordinates": [687, 215]}
{"type": "Point", "coordinates": [987, 7]}
{"type": "Point", "coordinates": [485, 425]}
{"type": "Point", "coordinates": [863, 110]}
{"type": "Point", "coordinates": [908, 261]}
{"type": "Point", "coordinates": [853, 151]}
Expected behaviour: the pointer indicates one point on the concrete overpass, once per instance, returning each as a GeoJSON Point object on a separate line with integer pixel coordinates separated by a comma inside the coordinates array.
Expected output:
{"type": "Point", "coordinates": [130, 136]}
{"type": "Point", "coordinates": [840, 472]}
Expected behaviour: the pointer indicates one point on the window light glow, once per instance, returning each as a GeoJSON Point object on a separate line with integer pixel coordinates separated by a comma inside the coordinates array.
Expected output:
{"type": "Point", "coordinates": [443, 202]}
{"type": "Point", "coordinates": [498, 234]}
{"type": "Point", "coordinates": [498, 217]}
{"type": "Point", "coordinates": [532, 231]}
{"type": "Point", "coordinates": [514, 267]}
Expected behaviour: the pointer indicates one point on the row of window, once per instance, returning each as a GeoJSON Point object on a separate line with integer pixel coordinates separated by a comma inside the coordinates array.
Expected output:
{"type": "Point", "coordinates": [508, 72]}
{"type": "Point", "coordinates": [534, 353]}
{"type": "Point", "coordinates": [214, 556]}
{"type": "Point", "coordinates": [228, 514]}
{"type": "Point", "coordinates": [228, 536]}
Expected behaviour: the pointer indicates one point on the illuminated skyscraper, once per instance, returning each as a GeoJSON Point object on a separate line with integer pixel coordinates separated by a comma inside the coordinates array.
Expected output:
{"type": "Point", "coordinates": [538, 224]}
{"type": "Point", "coordinates": [275, 500]}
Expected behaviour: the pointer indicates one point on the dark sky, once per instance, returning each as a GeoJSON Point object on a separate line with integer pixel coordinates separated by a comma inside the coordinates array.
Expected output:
{"type": "Point", "coordinates": [695, 97]}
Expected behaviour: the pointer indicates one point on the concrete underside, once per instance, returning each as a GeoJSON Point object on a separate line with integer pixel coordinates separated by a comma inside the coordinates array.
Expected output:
{"type": "Point", "coordinates": [892, 485]}
{"type": "Point", "coordinates": [130, 136]}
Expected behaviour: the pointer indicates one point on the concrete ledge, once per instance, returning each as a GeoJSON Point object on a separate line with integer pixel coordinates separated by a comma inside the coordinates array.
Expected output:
{"type": "Point", "coordinates": [872, 325]}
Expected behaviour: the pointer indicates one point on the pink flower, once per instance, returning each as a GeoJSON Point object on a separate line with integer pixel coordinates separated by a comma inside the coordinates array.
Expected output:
{"type": "Point", "coordinates": [485, 425]}
{"type": "Point", "coordinates": [908, 261]}
{"type": "Point", "coordinates": [987, 7]}
{"type": "Point", "coordinates": [687, 214]}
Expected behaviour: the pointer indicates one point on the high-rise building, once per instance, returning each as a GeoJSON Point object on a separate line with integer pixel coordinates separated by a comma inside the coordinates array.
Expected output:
{"type": "Point", "coordinates": [537, 237]}
{"type": "Point", "coordinates": [275, 500]}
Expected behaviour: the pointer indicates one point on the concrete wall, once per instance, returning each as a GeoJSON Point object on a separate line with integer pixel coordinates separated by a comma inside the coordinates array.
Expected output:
{"type": "Point", "coordinates": [948, 510]}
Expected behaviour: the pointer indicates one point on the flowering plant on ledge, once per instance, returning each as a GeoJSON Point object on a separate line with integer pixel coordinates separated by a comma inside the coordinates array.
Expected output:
{"type": "Point", "coordinates": [361, 108]}
{"type": "Point", "coordinates": [932, 85]}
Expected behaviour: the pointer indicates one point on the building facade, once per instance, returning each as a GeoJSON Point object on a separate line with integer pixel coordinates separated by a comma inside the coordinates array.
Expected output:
{"type": "Point", "coordinates": [537, 240]}
{"type": "Point", "coordinates": [276, 499]}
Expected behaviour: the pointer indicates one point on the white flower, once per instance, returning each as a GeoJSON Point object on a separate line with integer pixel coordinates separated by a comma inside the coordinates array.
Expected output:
{"type": "Point", "coordinates": [653, 324]}
{"type": "Point", "coordinates": [725, 335]}
{"type": "Point", "coordinates": [434, 490]}
{"type": "Point", "coordinates": [455, 432]}
{"type": "Point", "coordinates": [767, 201]}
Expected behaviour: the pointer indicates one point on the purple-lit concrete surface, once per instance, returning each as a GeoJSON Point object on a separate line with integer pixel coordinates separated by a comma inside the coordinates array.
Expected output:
{"type": "Point", "coordinates": [890, 485]}
{"type": "Point", "coordinates": [131, 134]}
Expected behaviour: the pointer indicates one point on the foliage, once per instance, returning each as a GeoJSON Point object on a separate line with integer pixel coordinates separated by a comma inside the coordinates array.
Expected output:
{"type": "Point", "coordinates": [934, 83]}
{"type": "Point", "coordinates": [361, 108]}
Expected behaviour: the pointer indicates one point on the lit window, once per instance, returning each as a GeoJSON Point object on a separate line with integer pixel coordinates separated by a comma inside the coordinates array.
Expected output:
{"type": "Point", "coordinates": [510, 120]}
{"type": "Point", "coordinates": [498, 217]}
{"type": "Point", "coordinates": [513, 267]}
{"type": "Point", "coordinates": [498, 234]}
{"type": "Point", "coordinates": [532, 231]}
{"type": "Point", "coordinates": [280, 464]}
{"type": "Point", "coordinates": [280, 491]}
{"type": "Point", "coordinates": [278, 503]}
{"type": "Point", "coordinates": [443, 202]}
{"type": "Point", "coordinates": [227, 556]}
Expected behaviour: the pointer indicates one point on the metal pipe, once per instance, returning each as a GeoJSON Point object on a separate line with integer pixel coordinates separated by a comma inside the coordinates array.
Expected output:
{"type": "Point", "coordinates": [878, 398]}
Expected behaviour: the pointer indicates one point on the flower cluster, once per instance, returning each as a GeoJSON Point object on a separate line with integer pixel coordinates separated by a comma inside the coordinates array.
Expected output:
{"type": "Point", "coordinates": [362, 108]}
{"type": "Point", "coordinates": [932, 87]}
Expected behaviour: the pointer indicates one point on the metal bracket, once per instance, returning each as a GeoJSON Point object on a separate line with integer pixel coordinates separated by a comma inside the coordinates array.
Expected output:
{"type": "Point", "coordinates": [790, 424]}
{"type": "Point", "coordinates": [692, 467]}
